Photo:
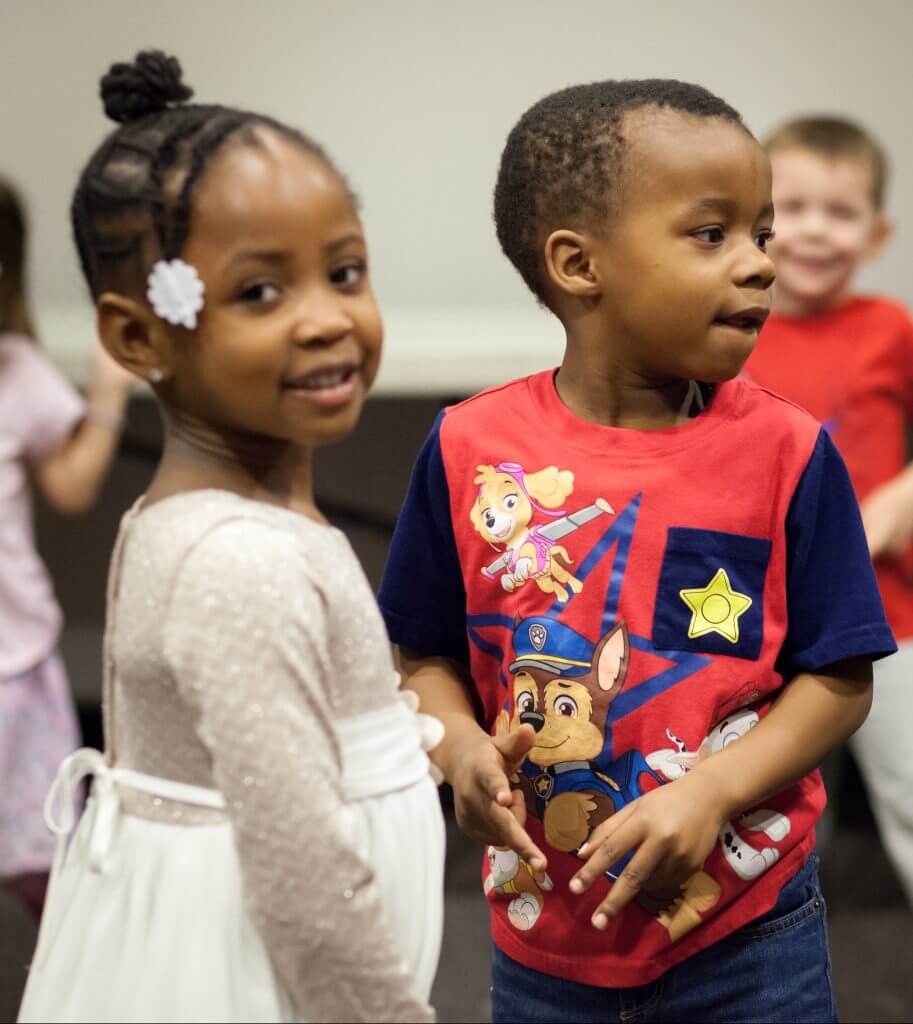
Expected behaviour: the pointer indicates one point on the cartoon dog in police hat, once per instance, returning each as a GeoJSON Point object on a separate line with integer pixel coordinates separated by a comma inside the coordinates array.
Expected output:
{"type": "Point", "coordinates": [564, 687]}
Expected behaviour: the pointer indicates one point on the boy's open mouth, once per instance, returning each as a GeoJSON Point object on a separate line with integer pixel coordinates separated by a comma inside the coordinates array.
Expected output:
{"type": "Point", "coordinates": [750, 319]}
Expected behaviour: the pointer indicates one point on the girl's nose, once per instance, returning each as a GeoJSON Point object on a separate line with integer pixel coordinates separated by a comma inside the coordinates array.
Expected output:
{"type": "Point", "coordinates": [321, 321]}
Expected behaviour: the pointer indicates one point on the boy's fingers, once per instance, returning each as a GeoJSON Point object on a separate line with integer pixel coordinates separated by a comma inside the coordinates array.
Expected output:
{"type": "Point", "coordinates": [518, 806]}
{"type": "Point", "coordinates": [604, 832]}
{"type": "Point", "coordinates": [512, 834]}
{"type": "Point", "coordinates": [514, 746]}
{"type": "Point", "coordinates": [494, 784]}
{"type": "Point", "coordinates": [599, 858]}
{"type": "Point", "coordinates": [628, 884]}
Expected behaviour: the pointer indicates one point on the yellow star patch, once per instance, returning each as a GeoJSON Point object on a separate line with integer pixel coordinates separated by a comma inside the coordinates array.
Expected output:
{"type": "Point", "coordinates": [715, 608]}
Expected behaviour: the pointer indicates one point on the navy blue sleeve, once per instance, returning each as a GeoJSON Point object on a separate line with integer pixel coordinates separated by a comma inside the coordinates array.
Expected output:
{"type": "Point", "coordinates": [422, 597]}
{"type": "Point", "coordinates": [834, 607]}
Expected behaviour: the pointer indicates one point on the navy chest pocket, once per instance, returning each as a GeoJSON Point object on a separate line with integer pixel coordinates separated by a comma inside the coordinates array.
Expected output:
{"type": "Point", "coordinates": [710, 597]}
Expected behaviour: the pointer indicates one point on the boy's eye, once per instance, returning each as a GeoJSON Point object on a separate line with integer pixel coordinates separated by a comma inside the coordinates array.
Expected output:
{"type": "Point", "coordinates": [789, 206]}
{"type": "Point", "coordinates": [263, 291]}
{"type": "Point", "coordinates": [348, 275]}
{"type": "Point", "coordinates": [841, 212]}
{"type": "Point", "coordinates": [762, 238]}
{"type": "Point", "coordinates": [713, 236]}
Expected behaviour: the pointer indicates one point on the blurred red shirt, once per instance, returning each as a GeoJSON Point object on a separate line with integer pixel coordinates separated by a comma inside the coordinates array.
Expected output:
{"type": "Point", "coordinates": [852, 369]}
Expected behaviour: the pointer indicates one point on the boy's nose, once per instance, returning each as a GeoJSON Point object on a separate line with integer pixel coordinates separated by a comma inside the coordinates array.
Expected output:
{"type": "Point", "coordinates": [756, 271]}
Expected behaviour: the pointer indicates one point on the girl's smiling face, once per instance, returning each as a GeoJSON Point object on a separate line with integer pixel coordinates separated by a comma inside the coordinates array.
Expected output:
{"type": "Point", "coordinates": [289, 337]}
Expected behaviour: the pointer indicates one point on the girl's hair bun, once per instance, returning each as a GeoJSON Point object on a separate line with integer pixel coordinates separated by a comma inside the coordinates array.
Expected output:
{"type": "Point", "coordinates": [148, 85]}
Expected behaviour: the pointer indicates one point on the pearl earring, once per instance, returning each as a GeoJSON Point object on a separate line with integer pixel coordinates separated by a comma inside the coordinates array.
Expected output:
{"type": "Point", "coordinates": [156, 376]}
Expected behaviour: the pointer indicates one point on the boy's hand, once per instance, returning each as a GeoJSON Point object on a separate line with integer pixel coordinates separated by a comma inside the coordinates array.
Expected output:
{"type": "Point", "coordinates": [672, 829]}
{"type": "Point", "coordinates": [486, 808]}
{"type": "Point", "coordinates": [887, 515]}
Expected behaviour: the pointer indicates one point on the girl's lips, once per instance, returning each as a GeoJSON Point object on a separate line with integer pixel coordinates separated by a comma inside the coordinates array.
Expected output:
{"type": "Point", "coordinates": [326, 387]}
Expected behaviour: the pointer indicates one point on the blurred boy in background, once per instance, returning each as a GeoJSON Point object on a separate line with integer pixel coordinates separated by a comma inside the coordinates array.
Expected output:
{"type": "Point", "coordinates": [848, 359]}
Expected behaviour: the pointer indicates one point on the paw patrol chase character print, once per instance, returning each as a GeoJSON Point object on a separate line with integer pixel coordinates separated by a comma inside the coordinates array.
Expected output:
{"type": "Point", "coordinates": [508, 499]}
{"type": "Point", "coordinates": [509, 875]}
{"type": "Point", "coordinates": [747, 861]}
{"type": "Point", "coordinates": [564, 689]}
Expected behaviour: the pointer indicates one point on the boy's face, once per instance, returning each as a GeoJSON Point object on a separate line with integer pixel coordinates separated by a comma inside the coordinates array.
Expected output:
{"type": "Point", "coordinates": [826, 224]}
{"type": "Point", "coordinates": [683, 272]}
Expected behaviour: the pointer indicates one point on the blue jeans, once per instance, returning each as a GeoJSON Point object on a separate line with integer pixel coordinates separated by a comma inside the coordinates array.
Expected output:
{"type": "Point", "coordinates": [775, 969]}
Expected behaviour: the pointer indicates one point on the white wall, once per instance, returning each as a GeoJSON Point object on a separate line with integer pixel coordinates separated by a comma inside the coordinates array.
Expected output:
{"type": "Point", "coordinates": [414, 101]}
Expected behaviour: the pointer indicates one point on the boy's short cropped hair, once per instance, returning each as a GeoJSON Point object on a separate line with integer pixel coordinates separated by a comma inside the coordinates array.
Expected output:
{"type": "Point", "coordinates": [834, 137]}
{"type": "Point", "coordinates": [562, 162]}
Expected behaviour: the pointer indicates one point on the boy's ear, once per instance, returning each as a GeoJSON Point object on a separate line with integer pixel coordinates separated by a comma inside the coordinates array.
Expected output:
{"type": "Point", "coordinates": [882, 233]}
{"type": "Point", "coordinates": [570, 265]}
{"type": "Point", "coordinates": [133, 336]}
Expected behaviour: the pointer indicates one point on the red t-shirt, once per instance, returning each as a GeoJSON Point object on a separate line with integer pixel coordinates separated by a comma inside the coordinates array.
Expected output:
{"type": "Point", "coordinates": [852, 369]}
{"type": "Point", "coordinates": [639, 598]}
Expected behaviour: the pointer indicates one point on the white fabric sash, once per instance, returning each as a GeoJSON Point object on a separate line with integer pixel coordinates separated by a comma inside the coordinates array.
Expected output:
{"type": "Point", "coordinates": [88, 763]}
{"type": "Point", "coordinates": [385, 750]}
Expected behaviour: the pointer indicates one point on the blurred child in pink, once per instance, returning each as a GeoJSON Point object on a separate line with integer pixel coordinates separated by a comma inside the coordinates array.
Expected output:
{"type": "Point", "coordinates": [52, 437]}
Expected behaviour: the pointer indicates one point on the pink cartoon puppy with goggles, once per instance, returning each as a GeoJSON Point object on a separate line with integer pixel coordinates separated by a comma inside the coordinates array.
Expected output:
{"type": "Point", "coordinates": [506, 504]}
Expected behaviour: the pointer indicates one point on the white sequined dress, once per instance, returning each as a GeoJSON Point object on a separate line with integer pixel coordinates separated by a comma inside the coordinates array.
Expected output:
{"type": "Point", "coordinates": [263, 841]}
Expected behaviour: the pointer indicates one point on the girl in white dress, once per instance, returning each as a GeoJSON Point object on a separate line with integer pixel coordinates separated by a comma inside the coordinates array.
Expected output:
{"type": "Point", "coordinates": [263, 840]}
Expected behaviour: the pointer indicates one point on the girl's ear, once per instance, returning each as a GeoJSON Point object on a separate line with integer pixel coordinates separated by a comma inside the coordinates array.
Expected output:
{"type": "Point", "coordinates": [134, 336]}
{"type": "Point", "coordinates": [569, 264]}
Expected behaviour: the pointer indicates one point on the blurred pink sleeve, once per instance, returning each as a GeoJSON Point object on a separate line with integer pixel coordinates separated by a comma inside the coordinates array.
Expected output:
{"type": "Point", "coordinates": [48, 407]}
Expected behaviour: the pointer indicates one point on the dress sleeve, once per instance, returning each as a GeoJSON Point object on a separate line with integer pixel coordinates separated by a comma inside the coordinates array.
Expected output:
{"type": "Point", "coordinates": [51, 407]}
{"type": "Point", "coordinates": [422, 597]}
{"type": "Point", "coordinates": [246, 639]}
{"type": "Point", "coordinates": [834, 607]}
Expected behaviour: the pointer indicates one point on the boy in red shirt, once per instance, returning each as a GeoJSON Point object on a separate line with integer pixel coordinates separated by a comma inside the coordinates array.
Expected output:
{"type": "Point", "coordinates": [636, 590]}
{"type": "Point", "coordinates": [848, 360]}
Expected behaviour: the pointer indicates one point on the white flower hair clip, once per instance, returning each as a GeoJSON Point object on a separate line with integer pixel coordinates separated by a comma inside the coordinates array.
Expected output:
{"type": "Point", "coordinates": [176, 292]}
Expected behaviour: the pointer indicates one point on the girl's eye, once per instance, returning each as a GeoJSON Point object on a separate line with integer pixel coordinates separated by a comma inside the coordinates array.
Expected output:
{"type": "Point", "coordinates": [348, 275]}
{"type": "Point", "coordinates": [566, 706]}
{"type": "Point", "coordinates": [713, 236]}
{"type": "Point", "coordinates": [261, 292]}
{"type": "Point", "coordinates": [763, 238]}
{"type": "Point", "coordinates": [510, 502]}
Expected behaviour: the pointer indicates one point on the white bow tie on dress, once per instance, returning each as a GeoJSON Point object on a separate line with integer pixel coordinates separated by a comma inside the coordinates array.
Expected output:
{"type": "Point", "coordinates": [88, 763]}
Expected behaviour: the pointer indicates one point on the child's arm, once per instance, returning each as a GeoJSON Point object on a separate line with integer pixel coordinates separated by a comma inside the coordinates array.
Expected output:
{"type": "Point", "coordinates": [675, 827]}
{"type": "Point", "coordinates": [262, 707]}
{"type": "Point", "coordinates": [836, 628]}
{"type": "Point", "coordinates": [475, 764]}
{"type": "Point", "coordinates": [887, 515]}
{"type": "Point", "coordinates": [71, 474]}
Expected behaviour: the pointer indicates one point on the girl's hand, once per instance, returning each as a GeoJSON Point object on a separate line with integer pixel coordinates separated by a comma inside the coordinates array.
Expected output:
{"type": "Point", "coordinates": [109, 379]}
{"type": "Point", "coordinates": [487, 810]}
{"type": "Point", "coordinates": [672, 829]}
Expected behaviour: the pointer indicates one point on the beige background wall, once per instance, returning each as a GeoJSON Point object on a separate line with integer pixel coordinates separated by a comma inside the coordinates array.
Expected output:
{"type": "Point", "coordinates": [414, 101]}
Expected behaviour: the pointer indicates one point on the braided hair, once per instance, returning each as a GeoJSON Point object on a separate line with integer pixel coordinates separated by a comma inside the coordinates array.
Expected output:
{"type": "Point", "coordinates": [14, 310]}
{"type": "Point", "coordinates": [563, 161]}
{"type": "Point", "coordinates": [134, 201]}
